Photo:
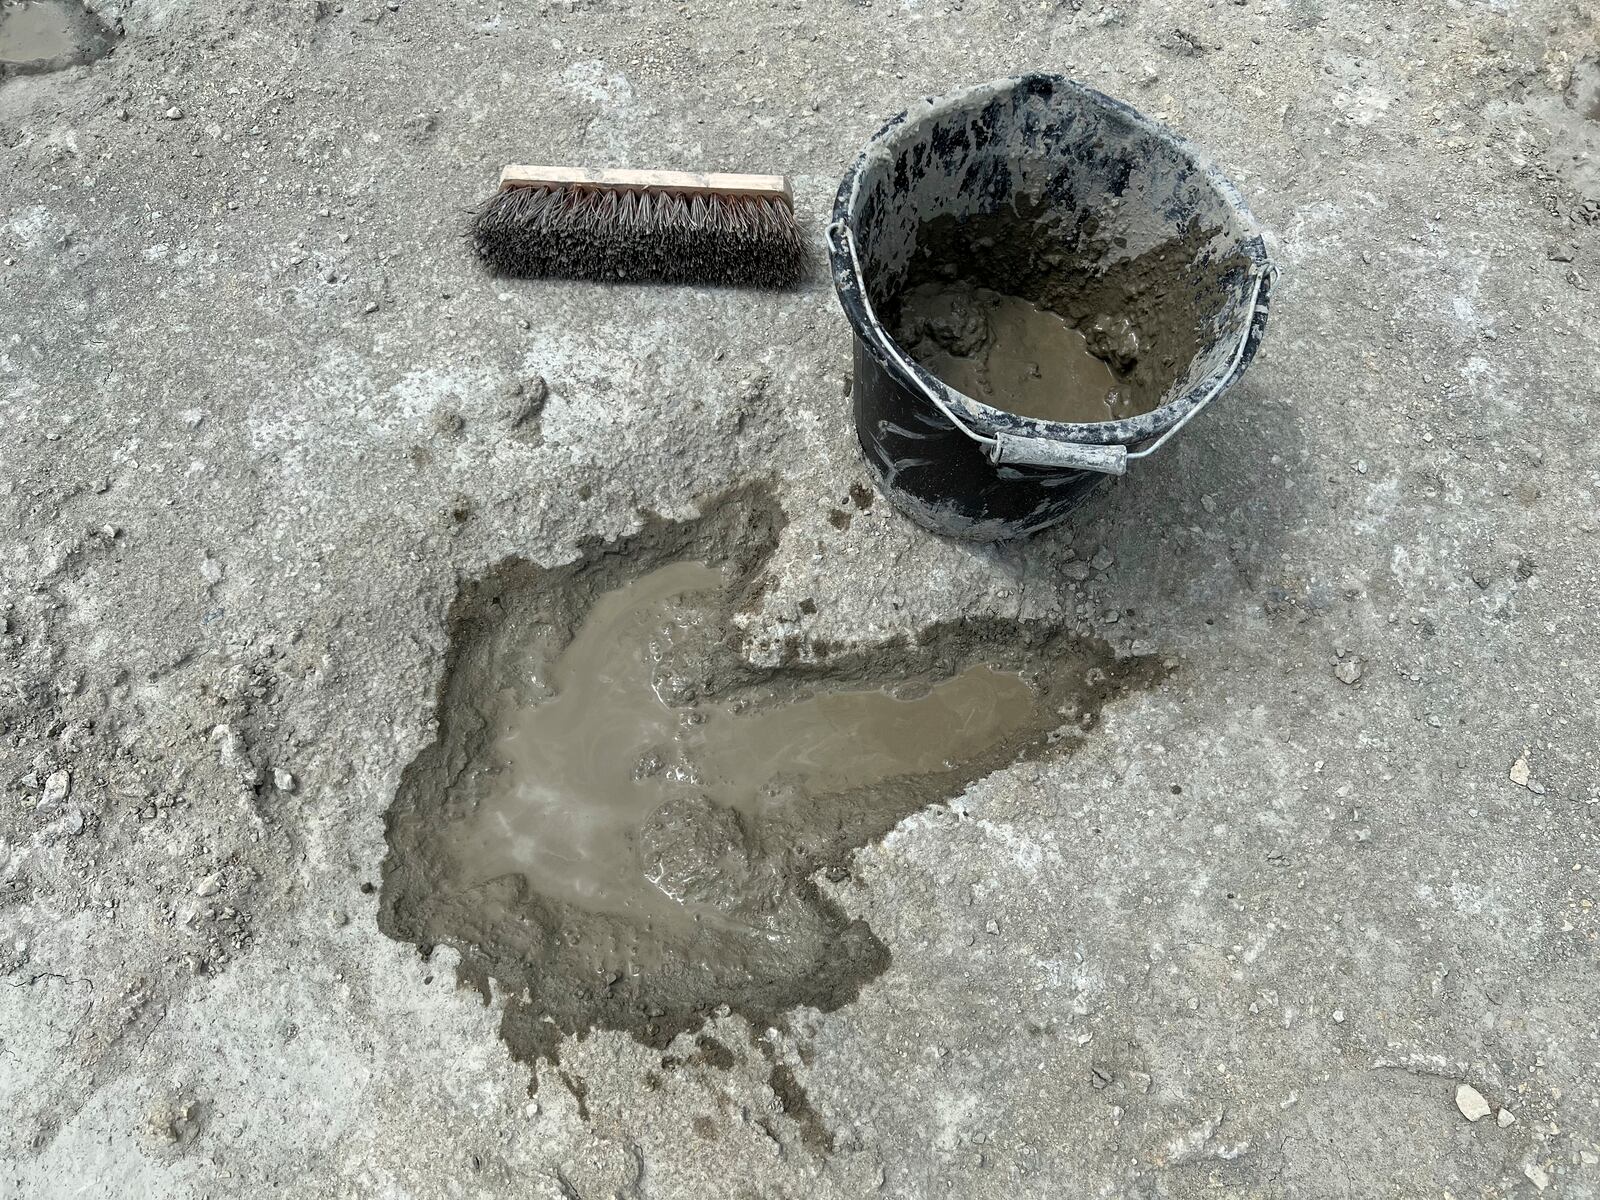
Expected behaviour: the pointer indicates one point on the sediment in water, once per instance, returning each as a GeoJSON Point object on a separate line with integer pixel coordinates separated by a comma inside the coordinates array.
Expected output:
{"type": "Point", "coordinates": [741, 921]}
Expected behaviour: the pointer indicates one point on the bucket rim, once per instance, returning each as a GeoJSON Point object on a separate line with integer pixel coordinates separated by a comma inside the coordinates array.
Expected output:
{"type": "Point", "coordinates": [1127, 431]}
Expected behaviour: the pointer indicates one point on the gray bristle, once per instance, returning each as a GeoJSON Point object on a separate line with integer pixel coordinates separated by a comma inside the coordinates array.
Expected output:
{"type": "Point", "coordinates": [579, 233]}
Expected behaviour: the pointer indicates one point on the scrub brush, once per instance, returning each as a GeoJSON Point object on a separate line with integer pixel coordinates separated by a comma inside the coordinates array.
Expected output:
{"type": "Point", "coordinates": [664, 226]}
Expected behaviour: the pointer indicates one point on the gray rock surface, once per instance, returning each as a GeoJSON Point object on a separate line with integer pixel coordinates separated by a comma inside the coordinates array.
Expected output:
{"type": "Point", "coordinates": [262, 413]}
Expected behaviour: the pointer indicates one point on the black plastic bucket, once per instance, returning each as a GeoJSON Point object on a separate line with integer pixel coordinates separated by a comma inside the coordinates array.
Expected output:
{"type": "Point", "coordinates": [1102, 193]}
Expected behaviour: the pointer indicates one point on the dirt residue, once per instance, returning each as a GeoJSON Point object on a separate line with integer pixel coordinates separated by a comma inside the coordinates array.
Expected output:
{"type": "Point", "coordinates": [752, 930]}
{"type": "Point", "coordinates": [1144, 319]}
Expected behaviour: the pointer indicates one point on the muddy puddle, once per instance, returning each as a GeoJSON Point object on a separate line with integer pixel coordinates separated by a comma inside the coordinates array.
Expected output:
{"type": "Point", "coordinates": [597, 793]}
{"type": "Point", "coordinates": [1583, 88]}
{"type": "Point", "coordinates": [48, 35]}
{"type": "Point", "coordinates": [622, 825]}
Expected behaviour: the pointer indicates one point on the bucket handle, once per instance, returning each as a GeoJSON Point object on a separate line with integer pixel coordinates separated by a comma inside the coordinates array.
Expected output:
{"type": "Point", "coordinates": [1031, 451]}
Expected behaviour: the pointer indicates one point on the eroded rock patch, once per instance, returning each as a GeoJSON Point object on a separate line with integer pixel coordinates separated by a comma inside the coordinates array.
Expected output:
{"type": "Point", "coordinates": [622, 823]}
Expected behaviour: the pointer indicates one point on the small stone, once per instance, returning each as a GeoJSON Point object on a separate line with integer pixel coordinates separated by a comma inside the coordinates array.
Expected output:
{"type": "Point", "coordinates": [1102, 559]}
{"type": "Point", "coordinates": [56, 788]}
{"type": "Point", "coordinates": [1338, 1016]}
{"type": "Point", "coordinates": [282, 780]}
{"type": "Point", "coordinates": [209, 886]}
{"type": "Point", "coordinates": [1348, 672]}
{"type": "Point", "coordinates": [371, 307]}
{"type": "Point", "coordinates": [1589, 1158]}
{"type": "Point", "coordinates": [991, 927]}
{"type": "Point", "coordinates": [174, 113]}
{"type": "Point", "coordinates": [210, 571]}
{"type": "Point", "coordinates": [340, 919]}
{"type": "Point", "coordinates": [1471, 1102]}
{"type": "Point", "coordinates": [1140, 1080]}
{"type": "Point", "coordinates": [1537, 1175]}
{"type": "Point", "coordinates": [74, 820]}
{"type": "Point", "coordinates": [1521, 774]}
{"type": "Point", "coordinates": [1099, 1078]}
{"type": "Point", "coordinates": [1505, 1118]}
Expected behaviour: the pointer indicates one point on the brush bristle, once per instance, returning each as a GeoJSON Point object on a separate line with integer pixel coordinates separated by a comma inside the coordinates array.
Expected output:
{"type": "Point", "coordinates": [587, 233]}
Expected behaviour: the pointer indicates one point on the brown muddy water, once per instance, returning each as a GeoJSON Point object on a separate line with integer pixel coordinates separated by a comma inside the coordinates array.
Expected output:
{"type": "Point", "coordinates": [1008, 353]}
{"type": "Point", "coordinates": [573, 802]}
{"type": "Point", "coordinates": [48, 35]}
{"type": "Point", "coordinates": [1036, 312]}
{"type": "Point", "coordinates": [623, 825]}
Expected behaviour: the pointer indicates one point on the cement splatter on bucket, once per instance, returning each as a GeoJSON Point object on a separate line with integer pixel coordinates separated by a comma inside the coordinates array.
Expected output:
{"type": "Point", "coordinates": [1040, 189]}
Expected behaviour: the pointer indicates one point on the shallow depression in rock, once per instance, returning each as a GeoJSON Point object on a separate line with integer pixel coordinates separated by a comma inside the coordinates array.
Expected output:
{"type": "Point", "coordinates": [622, 823]}
{"type": "Point", "coordinates": [48, 35]}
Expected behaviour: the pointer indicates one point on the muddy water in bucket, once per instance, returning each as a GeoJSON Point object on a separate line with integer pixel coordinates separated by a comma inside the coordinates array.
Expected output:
{"type": "Point", "coordinates": [1008, 352]}
{"type": "Point", "coordinates": [1036, 200]}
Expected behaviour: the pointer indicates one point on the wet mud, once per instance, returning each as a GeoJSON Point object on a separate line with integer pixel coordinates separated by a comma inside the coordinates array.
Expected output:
{"type": "Point", "coordinates": [604, 793]}
{"type": "Point", "coordinates": [622, 824]}
{"type": "Point", "coordinates": [1061, 302]}
{"type": "Point", "coordinates": [1007, 353]}
{"type": "Point", "coordinates": [38, 36]}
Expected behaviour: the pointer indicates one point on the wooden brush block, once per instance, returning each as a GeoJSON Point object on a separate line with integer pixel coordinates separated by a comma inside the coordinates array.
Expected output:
{"type": "Point", "coordinates": [682, 183]}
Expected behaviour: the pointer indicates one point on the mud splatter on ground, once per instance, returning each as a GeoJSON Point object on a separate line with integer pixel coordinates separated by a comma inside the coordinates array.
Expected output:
{"type": "Point", "coordinates": [695, 896]}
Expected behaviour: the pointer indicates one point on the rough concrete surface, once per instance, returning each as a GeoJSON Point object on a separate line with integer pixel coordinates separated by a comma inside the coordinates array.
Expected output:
{"type": "Point", "coordinates": [263, 415]}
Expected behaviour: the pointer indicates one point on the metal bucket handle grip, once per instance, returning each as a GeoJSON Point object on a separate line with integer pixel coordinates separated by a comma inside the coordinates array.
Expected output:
{"type": "Point", "coordinates": [1030, 451]}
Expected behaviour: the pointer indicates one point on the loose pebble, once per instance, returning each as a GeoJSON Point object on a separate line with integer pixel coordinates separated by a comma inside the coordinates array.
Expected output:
{"type": "Point", "coordinates": [1505, 1118]}
{"type": "Point", "coordinates": [1521, 774]}
{"type": "Point", "coordinates": [56, 788]}
{"type": "Point", "coordinates": [1348, 672]}
{"type": "Point", "coordinates": [282, 780]}
{"type": "Point", "coordinates": [209, 886]}
{"type": "Point", "coordinates": [1471, 1102]}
